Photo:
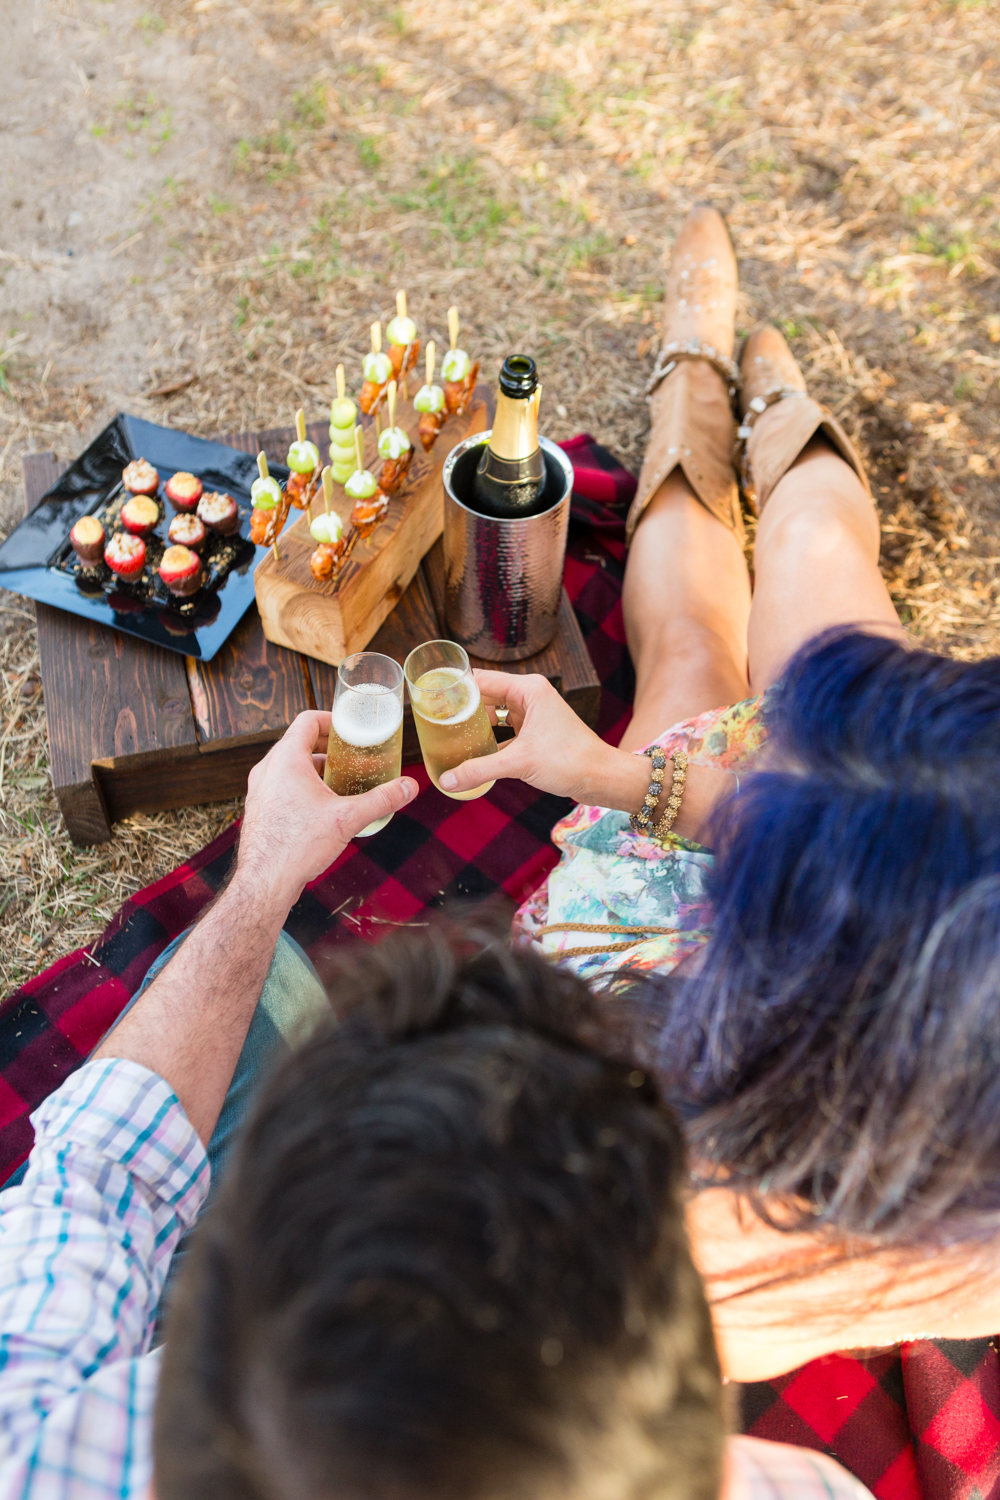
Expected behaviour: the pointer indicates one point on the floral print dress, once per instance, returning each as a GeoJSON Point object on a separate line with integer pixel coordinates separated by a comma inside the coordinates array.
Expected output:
{"type": "Point", "coordinates": [610, 877]}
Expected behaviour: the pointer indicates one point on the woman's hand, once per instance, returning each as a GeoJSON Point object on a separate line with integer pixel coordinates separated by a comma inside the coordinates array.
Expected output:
{"type": "Point", "coordinates": [556, 752]}
{"type": "Point", "coordinates": [553, 749]}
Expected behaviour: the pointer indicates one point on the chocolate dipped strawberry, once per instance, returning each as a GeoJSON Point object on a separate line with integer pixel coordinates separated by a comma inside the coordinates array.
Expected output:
{"type": "Point", "coordinates": [219, 512]}
{"type": "Point", "coordinates": [184, 490]}
{"type": "Point", "coordinates": [140, 515]}
{"type": "Point", "coordinates": [126, 556]}
{"type": "Point", "coordinates": [140, 478]}
{"type": "Point", "coordinates": [181, 571]}
{"type": "Point", "coordinates": [87, 540]}
{"type": "Point", "coordinates": [186, 530]}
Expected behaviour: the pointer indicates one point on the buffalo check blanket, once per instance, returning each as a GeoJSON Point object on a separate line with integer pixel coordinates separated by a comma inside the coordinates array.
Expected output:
{"type": "Point", "coordinates": [921, 1422]}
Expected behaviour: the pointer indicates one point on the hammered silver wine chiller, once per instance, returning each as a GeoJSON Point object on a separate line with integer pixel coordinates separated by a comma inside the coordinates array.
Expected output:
{"type": "Point", "coordinates": [503, 578]}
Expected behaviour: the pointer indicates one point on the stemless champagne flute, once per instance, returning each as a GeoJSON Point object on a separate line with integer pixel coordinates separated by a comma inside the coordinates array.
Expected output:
{"type": "Point", "coordinates": [365, 747]}
{"type": "Point", "coordinates": [452, 724]}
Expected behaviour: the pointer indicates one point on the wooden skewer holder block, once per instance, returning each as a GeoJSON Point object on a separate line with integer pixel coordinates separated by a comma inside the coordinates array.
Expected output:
{"type": "Point", "coordinates": [333, 619]}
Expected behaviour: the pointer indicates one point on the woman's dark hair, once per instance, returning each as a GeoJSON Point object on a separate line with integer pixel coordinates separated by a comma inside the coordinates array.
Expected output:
{"type": "Point", "coordinates": [449, 1260]}
{"type": "Point", "coordinates": [840, 1047]}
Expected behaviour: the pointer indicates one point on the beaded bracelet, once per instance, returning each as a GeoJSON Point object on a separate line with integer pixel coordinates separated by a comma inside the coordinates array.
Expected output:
{"type": "Point", "coordinates": [641, 821]}
{"type": "Point", "coordinates": [669, 818]}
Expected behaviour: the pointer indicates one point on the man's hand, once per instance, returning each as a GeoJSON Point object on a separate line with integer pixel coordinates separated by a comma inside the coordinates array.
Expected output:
{"type": "Point", "coordinates": [554, 750]}
{"type": "Point", "coordinates": [294, 827]}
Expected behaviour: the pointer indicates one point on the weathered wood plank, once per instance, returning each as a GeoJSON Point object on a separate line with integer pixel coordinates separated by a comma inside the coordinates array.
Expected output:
{"type": "Point", "coordinates": [581, 686]}
{"type": "Point", "coordinates": [41, 470]}
{"type": "Point", "coordinates": [249, 692]}
{"type": "Point", "coordinates": [214, 777]}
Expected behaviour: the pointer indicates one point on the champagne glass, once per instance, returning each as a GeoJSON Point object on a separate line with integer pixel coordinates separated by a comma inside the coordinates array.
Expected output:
{"type": "Point", "coordinates": [365, 747]}
{"type": "Point", "coordinates": [452, 723]}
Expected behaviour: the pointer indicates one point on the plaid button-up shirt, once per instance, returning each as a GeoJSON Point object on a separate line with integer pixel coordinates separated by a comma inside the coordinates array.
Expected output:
{"type": "Point", "coordinates": [116, 1176]}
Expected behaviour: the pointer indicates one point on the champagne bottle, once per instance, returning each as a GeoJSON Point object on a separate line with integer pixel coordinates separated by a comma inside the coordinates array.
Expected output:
{"type": "Point", "coordinates": [510, 476]}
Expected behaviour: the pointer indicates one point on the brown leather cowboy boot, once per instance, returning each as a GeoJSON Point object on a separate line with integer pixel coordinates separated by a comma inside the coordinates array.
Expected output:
{"type": "Point", "coordinates": [771, 378]}
{"type": "Point", "coordinates": [695, 375]}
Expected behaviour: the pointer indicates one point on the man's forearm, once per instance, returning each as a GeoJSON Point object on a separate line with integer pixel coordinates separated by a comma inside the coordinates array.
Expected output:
{"type": "Point", "coordinates": [190, 1025]}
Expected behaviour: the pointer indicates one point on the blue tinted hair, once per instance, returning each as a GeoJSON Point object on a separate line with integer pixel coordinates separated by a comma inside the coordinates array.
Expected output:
{"type": "Point", "coordinates": [840, 1048]}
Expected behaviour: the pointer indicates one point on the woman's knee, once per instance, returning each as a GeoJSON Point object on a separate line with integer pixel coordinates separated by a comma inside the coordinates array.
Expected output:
{"type": "Point", "coordinates": [817, 529]}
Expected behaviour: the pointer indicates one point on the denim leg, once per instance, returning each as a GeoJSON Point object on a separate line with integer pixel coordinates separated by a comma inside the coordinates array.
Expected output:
{"type": "Point", "coordinates": [291, 1000]}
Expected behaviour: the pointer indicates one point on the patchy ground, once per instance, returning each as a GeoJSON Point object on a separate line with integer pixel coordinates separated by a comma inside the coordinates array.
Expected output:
{"type": "Point", "coordinates": [206, 202]}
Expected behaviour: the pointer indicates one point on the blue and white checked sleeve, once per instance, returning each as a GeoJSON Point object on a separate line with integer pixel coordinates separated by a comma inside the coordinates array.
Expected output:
{"type": "Point", "coordinates": [116, 1176]}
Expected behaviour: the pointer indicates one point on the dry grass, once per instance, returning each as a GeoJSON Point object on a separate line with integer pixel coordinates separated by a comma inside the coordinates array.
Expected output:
{"type": "Point", "coordinates": [528, 162]}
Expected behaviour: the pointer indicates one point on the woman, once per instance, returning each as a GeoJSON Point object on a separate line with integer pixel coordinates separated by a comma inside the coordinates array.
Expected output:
{"type": "Point", "coordinates": [697, 637]}
{"type": "Point", "coordinates": [835, 1045]}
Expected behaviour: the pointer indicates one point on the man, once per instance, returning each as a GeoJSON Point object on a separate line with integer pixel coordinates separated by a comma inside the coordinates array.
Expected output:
{"type": "Point", "coordinates": [448, 1259]}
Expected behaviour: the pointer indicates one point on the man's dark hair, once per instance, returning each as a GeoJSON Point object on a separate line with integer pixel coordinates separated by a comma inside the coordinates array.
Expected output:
{"type": "Point", "coordinates": [449, 1260]}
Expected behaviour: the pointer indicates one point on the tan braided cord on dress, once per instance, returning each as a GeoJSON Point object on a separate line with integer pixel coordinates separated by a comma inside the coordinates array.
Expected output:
{"type": "Point", "coordinates": [635, 934]}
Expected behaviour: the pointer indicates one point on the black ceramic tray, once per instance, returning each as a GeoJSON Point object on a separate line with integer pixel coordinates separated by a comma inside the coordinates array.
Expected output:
{"type": "Point", "coordinates": [37, 560]}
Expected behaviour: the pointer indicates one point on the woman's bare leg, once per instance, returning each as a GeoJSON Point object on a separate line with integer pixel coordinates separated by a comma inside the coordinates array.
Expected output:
{"type": "Point", "coordinates": [816, 561]}
{"type": "Point", "coordinates": [686, 602]}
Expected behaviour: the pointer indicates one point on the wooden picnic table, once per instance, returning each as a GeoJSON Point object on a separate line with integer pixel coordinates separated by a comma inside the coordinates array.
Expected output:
{"type": "Point", "coordinates": [136, 728]}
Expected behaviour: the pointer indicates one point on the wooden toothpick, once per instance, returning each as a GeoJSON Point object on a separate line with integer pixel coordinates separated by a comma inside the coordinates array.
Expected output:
{"type": "Point", "coordinates": [359, 448]}
{"type": "Point", "coordinates": [262, 470]}
{"type": "Point", "coordinates": [430, 362]}
{"type": "Point", "coordinates": [341, 383]}
{"type": "Point", "coordinates": [327, 487]}
{"type": "Point", "coordinates": [453, 326]}
{"type": "Point", "coordinates": [300, 425]}
{"type": "Point", "coordinates": [392, 403]}
{"type": "Point", "coordinates": [376, 338]}
{"type": "Point", "coordinates": [401, 312]}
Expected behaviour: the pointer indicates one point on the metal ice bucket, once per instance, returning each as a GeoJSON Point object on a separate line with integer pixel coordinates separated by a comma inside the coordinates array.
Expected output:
{"type": "Point", "coordinates": [503, 579]}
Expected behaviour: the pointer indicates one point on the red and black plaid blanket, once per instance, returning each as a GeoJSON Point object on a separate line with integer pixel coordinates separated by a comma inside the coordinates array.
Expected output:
{"type": "Point", "coordinates": [917, 1423]}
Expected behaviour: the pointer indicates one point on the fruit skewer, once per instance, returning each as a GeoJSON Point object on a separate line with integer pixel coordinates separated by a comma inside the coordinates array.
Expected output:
{"type": "Point", "coordinates": [404, 346]}
{"type": "Point", "coordinates": [370, 503]}
{"type": "Point", "coordinates": [343, 415]}
{"type": "Point", "coordinates": [395, 449]}
{"type": "Point", "coordinates": [457, 371]}
{"type": "Point", "coordinates": [327, 531]}
{"type": "Point", "coordinates": [377, 372]}
{"type": "Point", "coordinates": [270, 508]}
{"type": "Point", "coordinates": [429, 402]}
{"type": "Point", "coordinates": [304, 462]}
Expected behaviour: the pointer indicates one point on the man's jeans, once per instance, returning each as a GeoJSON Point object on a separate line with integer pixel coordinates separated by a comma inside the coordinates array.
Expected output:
{"type": "Point", "coordinates": [292, 999]}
